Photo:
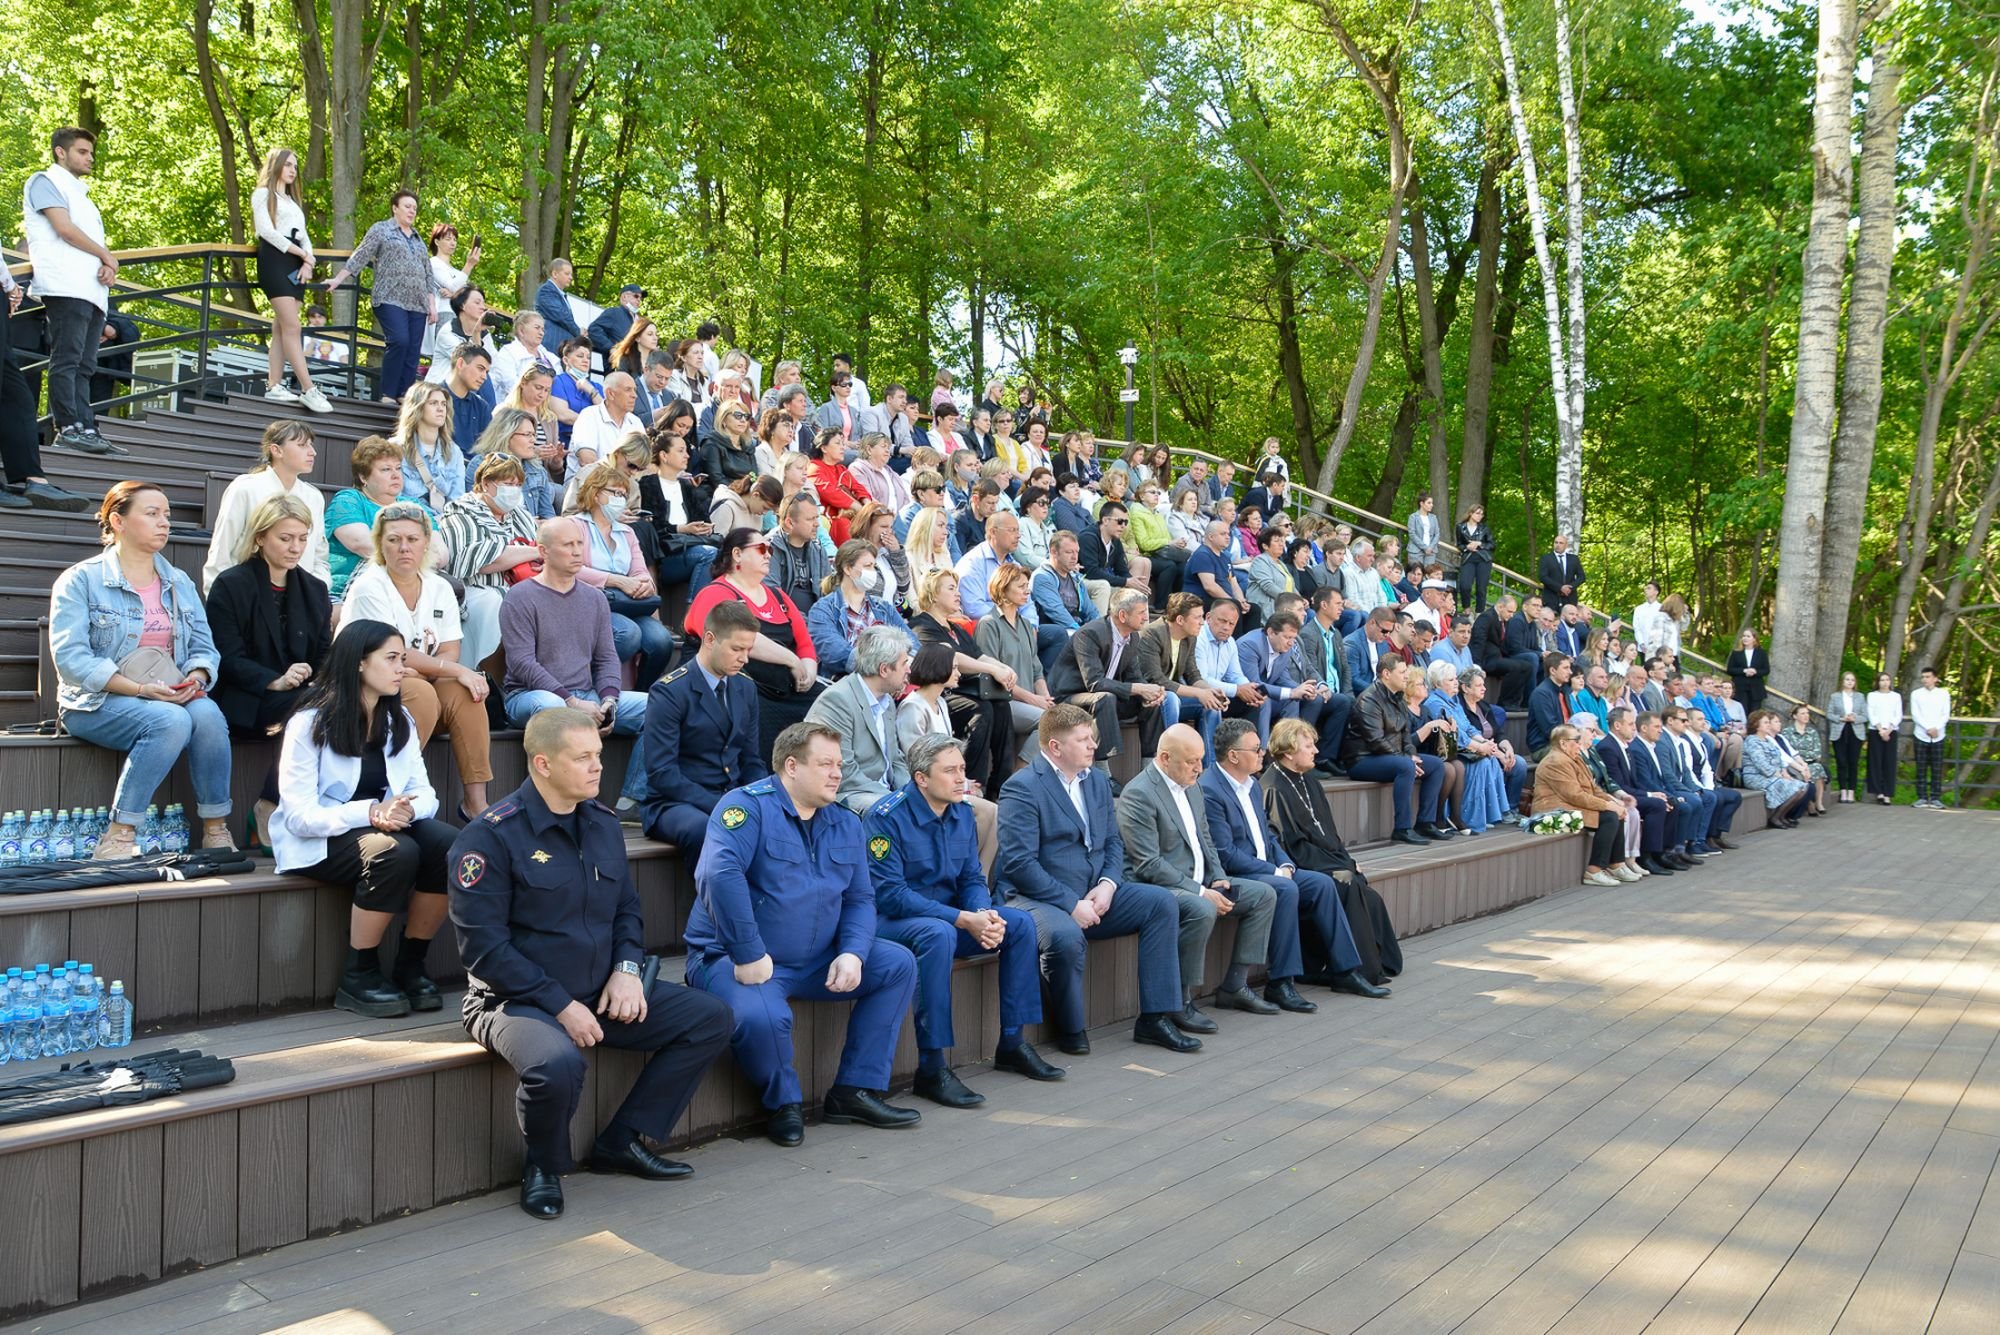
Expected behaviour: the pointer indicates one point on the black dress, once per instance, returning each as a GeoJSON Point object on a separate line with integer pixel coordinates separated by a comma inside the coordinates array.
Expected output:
{"type": "Point", "coordinates": [1305, 825]}
{"type": "Point", "coordinates": [980, 717]}
{"type": "Point", "coordinates": [259, 632]}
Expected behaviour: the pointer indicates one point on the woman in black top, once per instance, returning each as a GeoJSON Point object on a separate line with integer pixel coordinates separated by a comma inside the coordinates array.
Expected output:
{"type": "Point", "coordinates": [980, 705]}
{"type": "Point", "coordinates": [1296, 799]}
{"type": "Point", "coordinates": [270, 619]}
{"type": "Point", "coordinates": [678, 507]}
{"type": "Point", "coordinates": [1475, 557]}
{"type": "Point", "coordinates": [1750, 668]}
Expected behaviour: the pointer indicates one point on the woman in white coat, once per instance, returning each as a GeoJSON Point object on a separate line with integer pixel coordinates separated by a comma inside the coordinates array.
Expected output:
{"type": "Point", "coordinates": [356, 809]}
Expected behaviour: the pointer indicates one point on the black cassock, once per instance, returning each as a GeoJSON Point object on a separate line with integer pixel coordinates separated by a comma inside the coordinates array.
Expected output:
{"type": "Point", "coordinates": [1305, 826]}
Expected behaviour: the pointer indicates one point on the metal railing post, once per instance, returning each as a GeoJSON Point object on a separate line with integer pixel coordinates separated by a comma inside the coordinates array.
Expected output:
{"type": "Point", "coordinates": [201, 342]}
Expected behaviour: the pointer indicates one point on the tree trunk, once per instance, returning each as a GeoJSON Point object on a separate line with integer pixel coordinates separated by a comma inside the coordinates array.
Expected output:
{"type": "Point", "coordinates": [312, 59]}
{"type": "Point", "coordinates": [1794, 622]}
{"type": "Point", "coordinates": [628, 127]}
{"type": "Point", "coordinates": [1938, 635]}
{"type": "Point", "coordinates": [1402, 436]}
{"type": "Point", "coordinates": [1569, 453]}
{"type": "Point", "coordinates": [225, 133]}
{"type": "Point", "coordinates": [1429, 337]}
{"type": "Point", "coordinates": [1861, 387]}
{"type": "Point", "coordinates": [1291, 359]}
{"type": "Point", "coordinates": [873, 71]}
{"type": "Point", "coordinates": [535, 252]}
{"type": "Point", "coordinates": [353, 65]}
{"type": "Point", "coordinates": [1473, 452]}
{"type": "Point", "coordinates": [413, 90]}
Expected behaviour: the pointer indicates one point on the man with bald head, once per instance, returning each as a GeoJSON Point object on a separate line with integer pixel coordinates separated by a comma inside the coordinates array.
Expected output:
{"type": "Point", "coordinates": [1208, 574]}
{"type": "Point", "coordinates": [1167, 842]}
{"type": "Point", "coordinates": [601, 426]}
{"type": "Point", "coordinates": [557, 630]}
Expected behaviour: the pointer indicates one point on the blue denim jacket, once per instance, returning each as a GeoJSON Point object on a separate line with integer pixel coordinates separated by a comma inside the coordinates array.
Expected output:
{"type": "Point", "coordinates": [95, 619]}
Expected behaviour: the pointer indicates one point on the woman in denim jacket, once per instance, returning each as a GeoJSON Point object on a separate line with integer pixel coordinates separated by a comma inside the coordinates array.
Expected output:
{"type": "Point", "coordinates": [101, 611]}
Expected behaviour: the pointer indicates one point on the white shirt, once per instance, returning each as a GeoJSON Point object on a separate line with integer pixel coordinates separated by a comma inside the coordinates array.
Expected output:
{"type": "Point", "coordinates": [595, 431]}
{"type": "Point", "coordinates": [1251, 815]}
{"type": "Point", "coordinates": [1187, 825]}
{"type": "Point", "coordinates": [426, 628]}
{"type": "Point", "coordinates": [1073, 788]}
{"type": "Point", "coordinates": [1422, 612]}
{"type": "Point", "coordinates": [1645, 625]}
{"type": "Point", "coordinates": [316, 792]}
{"type": "Point", "coordinates": [1930, 710]}
{"type": "Point", "coordinates": [1885, 709]}
{"type": "Point", "coordinates": [232, 520]}
{"type": "Point", "coordinates": [510, 361]}
{"type": "Point", "coordinates": [290, 228]}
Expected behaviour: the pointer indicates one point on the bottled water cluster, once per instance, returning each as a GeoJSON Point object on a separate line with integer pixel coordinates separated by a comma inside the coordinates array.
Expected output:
{"type": "Point", "coordinates": [52, 1011]}
{"type": "Point", "coordinates": [30, 838]}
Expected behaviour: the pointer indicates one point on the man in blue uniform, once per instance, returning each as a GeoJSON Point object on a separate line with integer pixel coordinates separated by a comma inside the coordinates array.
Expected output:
{"type": "Point", "coordinates": [1063, 860]}
{"type": "Point", "coordinates": [784, 909]}
{"type": "Point", "coordinates": [931, 896]}
{"type": "Point", "coordinates": [701, 732]}
{"type": "Point", "coordinates": [548, 925]}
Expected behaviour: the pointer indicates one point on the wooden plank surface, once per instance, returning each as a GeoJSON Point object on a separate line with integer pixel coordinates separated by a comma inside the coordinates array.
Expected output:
{"type": "Point", "coordinates": [121, 1190]}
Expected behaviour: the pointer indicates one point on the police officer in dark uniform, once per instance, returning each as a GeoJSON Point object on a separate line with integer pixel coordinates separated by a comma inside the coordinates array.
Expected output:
{"type": "Point", "coordinates": [555, 968]}
{"type": "Point", "coordinates": [930, 895]}
{"type": "Point", "coordinates": [701, 732]}
{"type": "Point", "coordinates": [784, 909]}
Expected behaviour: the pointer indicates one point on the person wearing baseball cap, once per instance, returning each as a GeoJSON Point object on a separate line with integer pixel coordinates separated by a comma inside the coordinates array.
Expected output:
{"type": "Point", "coordinates": [608, 330]}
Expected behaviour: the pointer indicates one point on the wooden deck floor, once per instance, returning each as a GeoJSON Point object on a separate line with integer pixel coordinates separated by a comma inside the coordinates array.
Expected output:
{"type": "Point", "coordinates": [1764, 1096]}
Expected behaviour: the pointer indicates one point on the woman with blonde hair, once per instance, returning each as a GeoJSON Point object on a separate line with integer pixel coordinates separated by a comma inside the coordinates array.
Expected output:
{"type": "Point", "coordinates": [284, 264]}
{"type": "Point", "coordinates": [398, 587]}
{"type": "Point", "coordinates": [433, 468]}
{"type": "Point", "coordinates": [270, 617]}
{"type": "Point", "coordinates": [284, 456]}
{"type": "Point", "coordinates": [928, 546]}
{"type": "Point", "coordinates": [512, 433]}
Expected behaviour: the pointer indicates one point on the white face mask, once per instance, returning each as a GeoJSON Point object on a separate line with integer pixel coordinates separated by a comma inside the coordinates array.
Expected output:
{"type": "Point", "coordinates": [509, 497]}
{"type": "Point", "coordinates": [614, 508]}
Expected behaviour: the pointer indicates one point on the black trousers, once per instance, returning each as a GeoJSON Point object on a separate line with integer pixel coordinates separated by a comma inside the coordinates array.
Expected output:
{"type": "Point", "coordinates": [1881, 765]}
{"type": "Point", "coordinates": [386, 868]}
{"type": "Point", "coordinates": [1607, 841]}
{"type": "Point", "coordinates": [987, 729]}
{"type": "Point", "coordinates": [20, 443]}
{"type": "Point", "coordinates": [1930, 770]}
{"type": "Point", "coordinates": [1846, 761]}
{"type": "Point", "coordinates": [75, 328]}
{"type": "Point", "coordinates": [684, 1030]}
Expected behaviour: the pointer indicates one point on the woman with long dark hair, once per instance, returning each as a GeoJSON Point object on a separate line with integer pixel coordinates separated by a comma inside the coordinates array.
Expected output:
{"type": "Point", "coordinates": [1475, 557]}
{"type": "Point", "coordinates": [356, 809]}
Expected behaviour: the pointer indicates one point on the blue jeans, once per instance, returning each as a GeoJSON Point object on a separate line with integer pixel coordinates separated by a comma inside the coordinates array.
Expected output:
{"type": "Point", "coordinates": [647, 638]}
{"type": "Point", "coordinates": [630, 721]}
{"type": "Point", "coordinates": [153, 735]}
{"type": "Point", "coordinates": [1401, 772]}
{"type": "Point", "coordinates": [403, 331]}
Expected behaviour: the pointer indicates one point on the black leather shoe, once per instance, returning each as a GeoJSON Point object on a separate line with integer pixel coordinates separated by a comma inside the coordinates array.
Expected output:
{"type": "Point", "coordinates": [639, 1161]}
{"type": "Point", "coordinates": [944, 1086]}
{"type": "Point", "coordinates": [369, 993]}
{"type": "Point", "coordinates": [1652, 863]}
{"type": "Point", "coordinates": [1024, 1060]}
{"type": "Point", "coordinates": [1680, 861]}
{"type": "Point", "coordinates": [786, 1125]}
{"type": "Point", "coordinates": [1438, 832]}
{"type": "Point", "coordinates": [1243, 999]}
{"type": "Point", "coordinates": [1409, 837]}
{"type": "Point", "coordinates": [48, 496]}
{"type": "Point", "coordinates": [1285, 996]}
{"type": "Point", "coordinates": [541, 1193]}
{"type": "Point", "coordinates": [846, 1104]}
{"type": "Point", "coordinates": [14, 500]}
{"type": "Point", "coordinates": [1156, 1030]}
{"type": "Point", "coordinates": [423, 994]}
{"type": "Point", "coordinates": [1359, 986]}
{"type": "Point", "coordinates": [1722, 841]}
{"type": "Point", "coordinates": [1189, 1020]}
{"type": "Point", "coordinates": [1074, 1045]}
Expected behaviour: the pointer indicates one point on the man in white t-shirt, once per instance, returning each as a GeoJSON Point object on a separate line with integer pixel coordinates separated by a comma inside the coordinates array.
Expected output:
{"type": "Point", "coordinates": [73, 275]}
{"type": "Point", "coordinates": [601, 426]}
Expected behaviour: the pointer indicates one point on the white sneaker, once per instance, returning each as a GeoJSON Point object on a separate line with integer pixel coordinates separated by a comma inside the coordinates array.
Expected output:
{"type": "Point", "coordinates": [281, 394]}
{"type": "Point", "coordinates": [1625, 873]}
{"type": "Point", "coordinates": [315, 401]}
{"type": "Point", "coordinates": [1600, 878]}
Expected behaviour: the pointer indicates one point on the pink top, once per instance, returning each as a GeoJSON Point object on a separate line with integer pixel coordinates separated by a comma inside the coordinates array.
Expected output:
{"type": "Point", "coordinates": [159, 629]}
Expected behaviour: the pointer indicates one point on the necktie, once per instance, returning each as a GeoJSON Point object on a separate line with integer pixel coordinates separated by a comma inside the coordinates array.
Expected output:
{"type": "Point", "coordinates": [1117, 652]}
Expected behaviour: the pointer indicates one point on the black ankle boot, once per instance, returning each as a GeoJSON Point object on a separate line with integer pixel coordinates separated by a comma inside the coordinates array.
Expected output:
{"type": "Point", "coordinates": [365, 991]}
{"type": "Point", "coordinates": [411, 978]}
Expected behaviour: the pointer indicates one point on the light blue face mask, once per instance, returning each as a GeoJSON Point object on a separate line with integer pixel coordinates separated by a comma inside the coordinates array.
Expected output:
{"type": "Point", "coordinates": [510, 497]}
{"type": "Point", "coordinates": [614, 508]}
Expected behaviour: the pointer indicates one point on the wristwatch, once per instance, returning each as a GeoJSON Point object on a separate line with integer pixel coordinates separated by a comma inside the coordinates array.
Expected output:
{"type": "Point", "coordinates": [630, 968]}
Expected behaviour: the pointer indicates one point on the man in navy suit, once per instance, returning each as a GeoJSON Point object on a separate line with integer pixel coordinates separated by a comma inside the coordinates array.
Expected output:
{"type": "Point", "coordinates": [1650, 767]}
{"type": "Point", "coordinates": [553, 306]}
{"type": "Point", "coordinates": [1615, 750]}
{"type": "Point", "coordinates": [1063, 860]}
{"type": "Point", "coordinates": [1234, 801]}
{"type": "Point", "coordinates": [1572, 631]}
{"type": "Point", "coordinates": [1271, 657]}
{"type": "Point", "coordinates": [701, 732]}
{"type": "Point", "coordinates": [1513, 673]}
{"type": "Point", "coordinates": [1695, 805]}
{"type": "Point", "coordinates": [1364, 646]}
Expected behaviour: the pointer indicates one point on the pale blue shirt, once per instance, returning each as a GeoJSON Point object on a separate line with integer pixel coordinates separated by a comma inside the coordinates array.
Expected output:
{"type": "Point", "coordinates": [1215, 662]}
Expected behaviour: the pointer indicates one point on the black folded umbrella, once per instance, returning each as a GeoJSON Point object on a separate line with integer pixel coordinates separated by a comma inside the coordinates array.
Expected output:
{"type": "Point", "coordinates": [82, 1086]}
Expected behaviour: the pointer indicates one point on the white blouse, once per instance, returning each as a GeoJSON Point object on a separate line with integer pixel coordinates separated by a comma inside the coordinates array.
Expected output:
{"type": "Point", "coordinates": [428, 627]}
{"type": "Point", "coordinates": [290, 228]}
{"type": "Point", "coordinates": [1885, 709]}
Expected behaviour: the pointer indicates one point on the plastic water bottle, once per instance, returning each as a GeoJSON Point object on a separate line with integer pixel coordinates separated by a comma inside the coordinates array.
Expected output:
{"type": "Point", "coordinates": [84, 1005]}
{"type": "Point", "coordinates": [13, 832]}
{"type": "Point", "coordinates": [24, 1028]}
{"type": "Point", "coordinates": [36, 850]}
{"type": "Point", "coordinates": [86, 846]}
{"type": "Point", "coordinates": [8, 986]}
{"type": "Point", "coordinates": [114, 1025]}
{"type": "Point", "coordinates": [55, 1016]}
{"type": "Point", "coordinates": [62, 838]}
{"type": "Point", "coordinates": [149, 832]}
{"type": "Point", "coordinates": [174, 836]}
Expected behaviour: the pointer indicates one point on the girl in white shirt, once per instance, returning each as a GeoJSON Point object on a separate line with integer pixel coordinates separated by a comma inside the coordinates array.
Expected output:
{"type": "Point", "coordinates": [1885, 718]}
{"type": "Point", "coordinates": [284, 264]}
{"type": "Point", "coordinates": [284, 458]}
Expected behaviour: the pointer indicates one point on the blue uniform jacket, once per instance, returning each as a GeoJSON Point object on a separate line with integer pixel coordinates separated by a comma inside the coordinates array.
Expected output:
{"type": "Point", "coordinates": [924, 866]}
{"type": "Point", "coordinates": [698, 747]}
{"type": "Point", "coordinates": [539, 919]}
{"type": "Point", "coordinates": [1044, 852]}
{"type": "Point", "coordinates": [770, 883]}
{"type": "Point", "coordinates": [1232, 833]}
{"type": "Point", "coordinates": [1544, 714]}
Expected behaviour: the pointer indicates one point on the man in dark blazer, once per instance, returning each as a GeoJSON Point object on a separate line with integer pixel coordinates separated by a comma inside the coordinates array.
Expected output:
{"type": "Point", "coordinates": [1322, 652]}
{"type": "Point", "coordinates": [1561, 574]}
{"type": "Point", "coordinates": [1272, 658]}
{"type": "Point", "coordinates": [1102, 552]}
{"type": "Point", "coordinates": [1572, 631]}
{"type": "Point", "coordinates": [701, 732]}
{"type": "Point", "coordinates": [1160, 814]}
{"type": "Point", "coordinates": [608, 330]}
{"type": "Point", "coordinates": [1098, 671]}
{"type": "Point", "coordinates": [1063, 860]}
{"type": "Point", "coordinates": [1512, 672]}
{"type": "Point", "coordinates": [1615, 750]}
{"type": "Point", "coordinates": [1233, 801]}
{"type": "Point", "coordinates": [1655, 768]}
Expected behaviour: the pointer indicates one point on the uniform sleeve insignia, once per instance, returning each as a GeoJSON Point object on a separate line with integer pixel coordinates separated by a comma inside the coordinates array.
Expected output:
{"type": "Point", "coordinates": [470, 868]}
{"type": "Point", "coordinates": [732, 817]}
{"type": "Point", "coordinates": [540, 856]}
{"type": "Point", "coordinates": [878, 847]}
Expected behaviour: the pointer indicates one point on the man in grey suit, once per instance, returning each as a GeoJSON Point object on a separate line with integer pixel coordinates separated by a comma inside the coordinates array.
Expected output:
{"type": "Point", "coordinates": [1098, 670]}
{"type": "Point", "coordinates": [862, 706]}
{"type": "Point", "coordinates": [1167, 842]}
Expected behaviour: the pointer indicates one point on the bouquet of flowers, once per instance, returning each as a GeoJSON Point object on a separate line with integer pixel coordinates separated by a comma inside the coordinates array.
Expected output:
{"type": "Point", "coordinates": [1554, 822]}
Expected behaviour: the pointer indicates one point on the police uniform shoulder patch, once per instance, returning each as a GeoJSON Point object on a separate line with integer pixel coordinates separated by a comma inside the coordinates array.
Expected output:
{"type": "Point", "coordinates": [878, 847]}
{"type": "Point", "coordinates": [470, 868]}
{"type": "Point", "coordinates": [762, 788]}
{"type": "Point", "coordinates": [733, 816]}
{"type": "Point", "coordinates": [883, 806]}
{"type": "Point", "coordinates": [500, 811]}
